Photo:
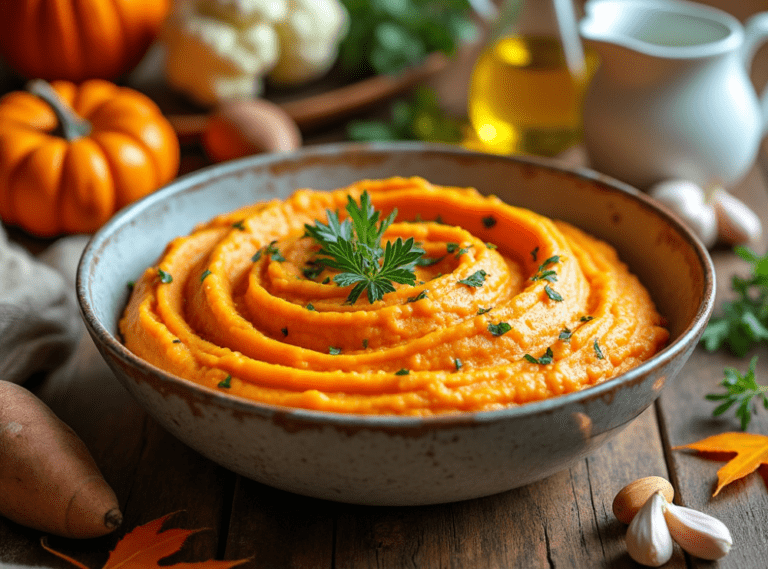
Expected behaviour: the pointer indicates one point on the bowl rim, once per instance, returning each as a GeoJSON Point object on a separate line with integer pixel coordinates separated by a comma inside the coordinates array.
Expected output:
{"type": "Point", "coordinates": [234, 403]}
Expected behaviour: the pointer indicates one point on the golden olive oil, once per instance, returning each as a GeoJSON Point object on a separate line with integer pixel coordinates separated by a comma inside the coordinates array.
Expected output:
{"type": "Point", "coordinates": [523, 99]}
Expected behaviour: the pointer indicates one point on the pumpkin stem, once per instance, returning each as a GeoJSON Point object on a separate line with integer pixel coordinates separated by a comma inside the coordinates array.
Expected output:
{"type": "Point", "coordinates": [71, 125]}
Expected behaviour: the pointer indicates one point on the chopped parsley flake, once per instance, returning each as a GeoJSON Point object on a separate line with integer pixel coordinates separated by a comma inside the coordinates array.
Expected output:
{"type": "Point", "coordinates": [428, 261]}
{"type": "Point", "coordinates": [257, 255]}
{"type": "Point", "coordinates": [535, 253]}
{"type": "Point", "coordinates": [476, 279]}
{"type": "Point", "coordinates": [458, 363]}
{"type": "Point", "coordinates": [226, 382]}
{"type": "Point", "coordinates": [489, 221]}
{"type": "Point", "coordinates": [176, 341]}
{"type": "Point", "coordinates": [420, 296]}
{"type": "Point", "coordinates": [310, 306]}
{"type": "Point", "coordinates": [402, 371]}
{"type": "Point", "coordinates": [326, 280]}
{"type": "Point", "coordinates": [499, 329]}
{"type": "Point", "coordinates": [554, 295]}
{"type": "Point", "coordinates": [565, 335]}
{"type": "Point", "coordinates": [451, 247]}
{"type": "Point", "coordinates": [239, 225]}
{"type": "Point", "coordinates": [205, 274]}
{"type": "Point", "coordinates": [284, 331]}
{"type": "Point", "coordinates": [586, 318]}
{"type": "Point", "coordinates": [481, 311]}
{"type": "Point", "coordinates": [164, 277]}
{"type": "Point", "coordinates": [598, 351]}
{"type": "Point", "coordinates": [334, 351]}
{"type": "Point", "coordinates": [312, 270]}
{"type": "Point", "coordinates": [365, 343]}
{"type": "Point", "coordinates": [130, 284]}
{"type": "Point", "coordinates": [491, 245]}
{"type": "Point", "coordinates": [546, 359]}
{"type": "Point", "coordinates": [274, 252]}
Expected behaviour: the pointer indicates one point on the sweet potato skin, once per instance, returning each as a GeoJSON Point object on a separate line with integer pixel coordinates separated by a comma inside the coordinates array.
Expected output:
{"type": "Point", "coordinates": [48, 479]}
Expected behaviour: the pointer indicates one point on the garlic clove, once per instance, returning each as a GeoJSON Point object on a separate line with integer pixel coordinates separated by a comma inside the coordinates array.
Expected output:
{"type": "Point", "coordinates": [648, 539]}
{"type": "Point", "coordinates": [737, 224]}
{"type": "Point", "coordinates": [698, 533]}
{"type": "Point", "coordinates": [688, 200]}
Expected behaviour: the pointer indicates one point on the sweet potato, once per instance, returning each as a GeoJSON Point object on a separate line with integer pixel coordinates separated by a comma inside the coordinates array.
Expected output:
{"type": "Point", "coordinates": [48, 479]}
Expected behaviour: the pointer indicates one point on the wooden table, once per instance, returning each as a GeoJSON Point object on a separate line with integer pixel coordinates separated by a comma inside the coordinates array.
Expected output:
{"type": "Point", "coordinates": [563, 521]}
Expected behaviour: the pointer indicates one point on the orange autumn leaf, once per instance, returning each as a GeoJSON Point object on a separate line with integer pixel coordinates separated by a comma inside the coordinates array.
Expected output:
{"type": "Point", "coordinates": [751, 451]}
{"type": "Point", "coordinates": [146, 545]}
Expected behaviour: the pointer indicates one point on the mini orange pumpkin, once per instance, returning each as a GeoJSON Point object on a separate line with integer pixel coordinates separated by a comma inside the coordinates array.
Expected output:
{"type": "Point", "coordinates": [78, 39]}
{"type": "Point", "coordinates": [71, 156]}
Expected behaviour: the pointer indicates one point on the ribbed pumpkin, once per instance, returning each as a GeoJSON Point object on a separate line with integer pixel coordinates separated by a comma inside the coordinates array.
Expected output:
{"type": "Point", "coordinates": [67, 165]}
{"type": "Point", "coordinates": [78, 39]}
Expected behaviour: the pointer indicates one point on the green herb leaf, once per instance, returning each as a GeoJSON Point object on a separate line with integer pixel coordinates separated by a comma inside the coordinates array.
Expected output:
{"type": "Point", "coordinates": [489, 221]}
{"type": "Point", "coordinates": [451, 247]}
{"type": "Point", "coordinates": [458, 363]}
{"type": "Point", "coordinates": [284, 331]}
{"type": "Point", "coordinates": [257, 255]}
{"type": "Point", "coordinates": [565, 335]}
{"type": "Point", "coordinates": [741, 390]}
{"type": "Point", "coordinates": [164, 277]}
{"type": "Point", "coordinates": [420, 296]}
{"type": "Point", "coordinates": [586, 318]}
{"type": "Point", "coordinates": [274, 252]}
{"type": "Point", "coordinates": [226, 382]}
{"type": "Point", "coordinates": [743, 323]}
{"type": "Point", "coordinates": [598, 351]}
{"type": "Point", "coordinates": [553, 294]}
{"type": "Point", "coordinates": [239, 225]}
{"type": "Point", "coordinates": [365, 343]}
{"type": "Point", "coordinates": [546, 359]}
{"type": "Point", "coordinates": [353, 247]}
{"type": "Point", "coordinates": [499, 329]}
{"type": "Point", "coordinates": [310, 306]}
{"type": "Point", "coordinates": [481, 311]}
{"type": "Point", "coordinates": [428, 261]}
{"type": "Point", "coordinates": [205, 274]}
{"type": "Point", "coordinates": [476, 279]}
{"type": "Point", "coordinates": [403, 372]}
{"type": "Point", "coordinates": [334, 351]}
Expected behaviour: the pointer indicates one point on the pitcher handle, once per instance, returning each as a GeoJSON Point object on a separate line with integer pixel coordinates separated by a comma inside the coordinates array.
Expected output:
{"type": "Point", "coordinates": [755, 34]}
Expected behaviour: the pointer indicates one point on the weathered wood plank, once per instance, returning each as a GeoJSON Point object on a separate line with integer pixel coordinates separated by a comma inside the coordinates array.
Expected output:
{"type": "Point", "coordinates": [564, 521]}
{"type": "Point", "coordinates": [687, 417]}
{"type": "Point", "coordinates": [279, 529]}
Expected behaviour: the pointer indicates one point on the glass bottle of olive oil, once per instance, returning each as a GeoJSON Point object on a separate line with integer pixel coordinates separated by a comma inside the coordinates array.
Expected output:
{"type": "Point", "coordinates": [527, 86]}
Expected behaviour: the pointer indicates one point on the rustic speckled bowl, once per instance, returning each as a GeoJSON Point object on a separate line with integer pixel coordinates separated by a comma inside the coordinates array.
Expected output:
{"type": "Point", "coordinates": [391, 460]}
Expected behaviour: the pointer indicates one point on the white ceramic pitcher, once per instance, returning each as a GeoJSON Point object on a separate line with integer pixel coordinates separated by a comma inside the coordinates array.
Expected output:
{"type": "Point", "coordinates": [672, 97]}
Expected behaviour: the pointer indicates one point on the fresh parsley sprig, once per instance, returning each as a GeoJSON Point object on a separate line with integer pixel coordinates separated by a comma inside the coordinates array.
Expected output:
{"type": "Point", "coordinates": [744, 320]}
{"type": "Point", "coordinates": [353, 247]}
{"type": "Point", "coordinates": [742, 391]}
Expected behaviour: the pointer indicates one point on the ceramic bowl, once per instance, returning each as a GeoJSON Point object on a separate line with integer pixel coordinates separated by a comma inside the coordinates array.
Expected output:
{"type": "Point", "coordinates": [383, 459]}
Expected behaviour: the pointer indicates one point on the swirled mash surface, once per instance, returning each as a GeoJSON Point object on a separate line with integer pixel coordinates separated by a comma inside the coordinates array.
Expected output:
{"type": "Point", "coordinates": [233, 307]}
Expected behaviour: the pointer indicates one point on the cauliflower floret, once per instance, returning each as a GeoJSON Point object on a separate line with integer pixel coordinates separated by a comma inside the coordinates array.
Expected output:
{"type": "Point", "coordinates": [309, 40]}
{"type": "Point", "coordinates": [220, 49]}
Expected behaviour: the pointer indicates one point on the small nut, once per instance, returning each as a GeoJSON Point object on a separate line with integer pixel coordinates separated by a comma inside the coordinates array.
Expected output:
{"type": "Point", "coordinates": [634, 495]}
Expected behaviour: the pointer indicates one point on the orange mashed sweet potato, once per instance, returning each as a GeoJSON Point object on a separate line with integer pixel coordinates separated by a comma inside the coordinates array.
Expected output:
{"type": "Point", "coordinates": [240, 306]}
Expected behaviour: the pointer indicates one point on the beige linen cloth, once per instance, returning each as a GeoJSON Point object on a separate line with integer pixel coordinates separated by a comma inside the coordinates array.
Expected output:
{"type": "Point", "coordinates": [39, 321]}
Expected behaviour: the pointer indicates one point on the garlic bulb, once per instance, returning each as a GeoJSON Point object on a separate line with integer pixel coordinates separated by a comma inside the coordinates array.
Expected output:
{"type": "Point", "coordinates": [648, 539]}
{"type": "Point", "coordinates": [688, 200]}
{"type": "Point", "coordinates": [736, 223]}
{"type": "Point", "coordinates": [698, 533]}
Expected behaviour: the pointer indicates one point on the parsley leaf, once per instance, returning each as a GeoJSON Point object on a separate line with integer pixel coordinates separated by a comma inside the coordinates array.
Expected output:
{"type": "Point", "coordinates": [226, 383]}
{"type": "Point", "coordinates": [744, 320]}
{"type": "Point", "coordinates": [499, 329]}
{"type": "Point", "coordinates": [476, 279]}
{"type": "Point", "coordinates": [164, 277]}
{"type": "Point", "coordinates": [403, 371]}
{"type": "Point", "coordinates": [741, 390]}
{"type": "Point", "coordinates": [353, 247]}
{"type": "Point", "coordinates": [546, 359]}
